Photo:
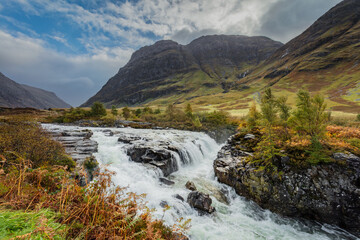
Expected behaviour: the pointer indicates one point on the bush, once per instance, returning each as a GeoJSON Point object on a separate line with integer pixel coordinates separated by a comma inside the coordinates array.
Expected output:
{"type": "Point", "coordinates": [114, 110]}
{"type": "Point", "coordinates": [98, 110]}
{"type": "Point", "coordinates": [75, 114]}
{"type": "Point", "coordinates": [30, 141]}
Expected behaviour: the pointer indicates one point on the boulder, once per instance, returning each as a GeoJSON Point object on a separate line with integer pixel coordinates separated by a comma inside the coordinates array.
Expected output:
{"type": "Point", "coordinates": [200, 201]}
{"type": "Point", "coordinates": [159, 158]}
{"type": "Point", "coordinates": [190, 185]}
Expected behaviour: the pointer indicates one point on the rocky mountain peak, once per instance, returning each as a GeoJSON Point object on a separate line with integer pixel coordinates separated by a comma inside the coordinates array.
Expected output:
{"type": "Point", "coordinates": [150, 51]}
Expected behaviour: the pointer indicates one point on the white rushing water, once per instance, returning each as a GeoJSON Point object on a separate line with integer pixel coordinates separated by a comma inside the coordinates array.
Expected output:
{"type": "Point", "coordinates": [235, 217]}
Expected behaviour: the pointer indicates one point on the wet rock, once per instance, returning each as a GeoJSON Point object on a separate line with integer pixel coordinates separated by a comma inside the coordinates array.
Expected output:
{"type": "Point", "coordinates": [200, 201]}
{"type": "Point", "coordinates": [249, 136]}
{"type": "Point", "coordinates": [160, 158]}
{"type": "Point", "coordinates": [190, 185]}
{"type": "Point", "coordinates": [328, 193]}
{"type": "Point", "coordinates": [177, 196]}
{"type": "Point", "coordinates": [164, 204]}
{"type": "Point", "coordinates": [128, 138]}
{"type": "Point", "coordinates": [166, 181]}
{"type": "Point", "coordinates": [77, 143]}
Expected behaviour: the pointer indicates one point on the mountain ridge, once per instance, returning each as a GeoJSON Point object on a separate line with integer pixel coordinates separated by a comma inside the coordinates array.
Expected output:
{"type": "Point", "coordinates": [158, 65]}
{"type": "Point", "coordinates": [13, 94]}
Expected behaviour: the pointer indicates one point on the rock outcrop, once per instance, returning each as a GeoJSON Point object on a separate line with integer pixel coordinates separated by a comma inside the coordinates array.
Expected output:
{"type": "Point", "coordinates": [328, 193]}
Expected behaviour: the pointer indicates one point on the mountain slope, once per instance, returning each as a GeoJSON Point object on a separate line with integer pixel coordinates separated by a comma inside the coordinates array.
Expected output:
{"type": "Point", "coordinates": [325, 58]}
{"type": "Point", "coordinates": [207, 65]}
{"type": "Point", "coordinates": [13, 94]}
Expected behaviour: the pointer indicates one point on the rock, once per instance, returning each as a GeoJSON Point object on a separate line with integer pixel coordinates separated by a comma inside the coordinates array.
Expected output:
{"type": "Point", "coordinates": [166, 181]}
{"type": "Point", "coordinates": [190, 185]}
{"type": "Point", "coordinates": [327, 193]}
{"type": "Point", "coordinates": [200, 201]}
{"type": "Point", "coordinates": [164, 204]}
{"type": "Point", "coordinates": [177, 196]}
{"type": "Point", "coordinates": [161, 158]}
{"type": "Point", "coordinates": [249, 136]}
{"type": "Point", "coordinates": [350, 159]}
{"type": "Point", "coordinates": [128, 138]}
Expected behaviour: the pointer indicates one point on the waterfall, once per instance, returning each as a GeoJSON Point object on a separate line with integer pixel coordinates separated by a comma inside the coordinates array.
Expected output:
{"type": "Point", "coordinates": [235, 217]}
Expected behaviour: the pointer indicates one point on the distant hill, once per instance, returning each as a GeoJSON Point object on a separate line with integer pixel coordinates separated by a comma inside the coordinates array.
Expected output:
{"type": "Point", "coordinates": [13, 94]}
{"type": "Point", "coordinates": [229, 72]}
{"type": "Point", "coordinates": [206, 66]}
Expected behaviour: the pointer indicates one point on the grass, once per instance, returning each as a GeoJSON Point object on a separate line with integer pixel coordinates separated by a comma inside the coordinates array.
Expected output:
{"type": "Point", "coordinates": [42, 224]}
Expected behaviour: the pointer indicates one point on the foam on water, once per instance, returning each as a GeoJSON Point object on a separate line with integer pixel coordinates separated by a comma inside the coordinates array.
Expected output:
{"type": "Point", "coordinates": [235, 218]}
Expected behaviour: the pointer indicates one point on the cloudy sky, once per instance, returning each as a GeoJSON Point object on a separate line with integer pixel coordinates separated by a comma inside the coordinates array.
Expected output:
{"type": "Point", "coordinates": [72, 47]}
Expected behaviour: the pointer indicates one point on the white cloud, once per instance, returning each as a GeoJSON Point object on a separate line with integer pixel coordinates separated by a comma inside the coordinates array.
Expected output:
{"type": "Point", "coordinates": [26, 60]}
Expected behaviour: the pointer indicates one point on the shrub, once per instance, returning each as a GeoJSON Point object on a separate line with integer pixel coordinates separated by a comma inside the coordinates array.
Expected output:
{"type": "Point", "coordinates": [114, 110]}
{"type": "Point", "coordinates": [358, 117]}
{"type": "Point", "coordinates": [98, 110]}
{"type": "Point", "coordinates": [126, 113]}
{"type": "Point", "coordinates": [30, 141]}
{"type": "Point", "coordinates": [75, 114]}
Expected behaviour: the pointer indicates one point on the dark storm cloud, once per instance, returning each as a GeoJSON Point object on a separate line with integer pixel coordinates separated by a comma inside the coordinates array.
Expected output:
{"type": "Point", "coordinates": [288, 18]}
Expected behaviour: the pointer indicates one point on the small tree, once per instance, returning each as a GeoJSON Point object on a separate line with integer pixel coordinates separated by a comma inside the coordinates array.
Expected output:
{"type": "Point", "coordinates": [310, 116]}
{"type": "Point", "coordinates": [285, 112]}
{"type": "Point", "coordinates": [189, 111]}
{"type": "Point", "coordinates": [114, 110]}
{"type": "Point", "coordinates": [98, 109]}
{"type": "Point", "coordinates": [126, 113]}
{"type": "Point", "coordinates": [269, 110]}
{"type": "Point", "coordinates": [170, 111]}
{"type": "Point", "coordinates": [253, 117]}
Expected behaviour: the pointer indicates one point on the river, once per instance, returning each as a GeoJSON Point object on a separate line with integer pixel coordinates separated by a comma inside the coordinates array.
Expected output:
{"type": "Point", "coordinates": [235, 217]}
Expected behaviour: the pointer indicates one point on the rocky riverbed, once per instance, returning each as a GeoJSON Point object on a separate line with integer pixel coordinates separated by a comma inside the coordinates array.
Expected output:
{"type": "Point", "coordinates": [328, 193]}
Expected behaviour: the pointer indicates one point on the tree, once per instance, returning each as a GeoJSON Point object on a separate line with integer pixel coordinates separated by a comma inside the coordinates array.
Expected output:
{"type": "Point", "coordinates": [170, 111]}
{"type": "Point", "coordinates": [285, 113]}
{"type": "Point", "coordinates": [253, 117]}
{"type": "Point", "coordinates": [126, 113]}
{"type": "Point", "coordinates": [310, 116]}
{"type": "Point", "coordinates": [189, 111]}
{"type": "Point", "coordinates": [98, 109]}
{"type": "Point", "coordinates": [114, 110]}
{"type": "Point", "coordinates": [269, 110]}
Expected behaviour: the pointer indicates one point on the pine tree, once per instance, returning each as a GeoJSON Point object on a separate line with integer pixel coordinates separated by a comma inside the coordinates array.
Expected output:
{"type": "Point", "coordinates": [310, 116]}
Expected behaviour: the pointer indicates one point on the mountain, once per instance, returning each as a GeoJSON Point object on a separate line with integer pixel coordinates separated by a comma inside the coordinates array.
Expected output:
{"type": "Point", "coordinates": [229, 72]}
{"type": "Point", "coordinates": [13, 94]}
{"type": "Point", "coordinates": [173, 73]}
{"type": "Point", "coordinates": [325, 58]}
